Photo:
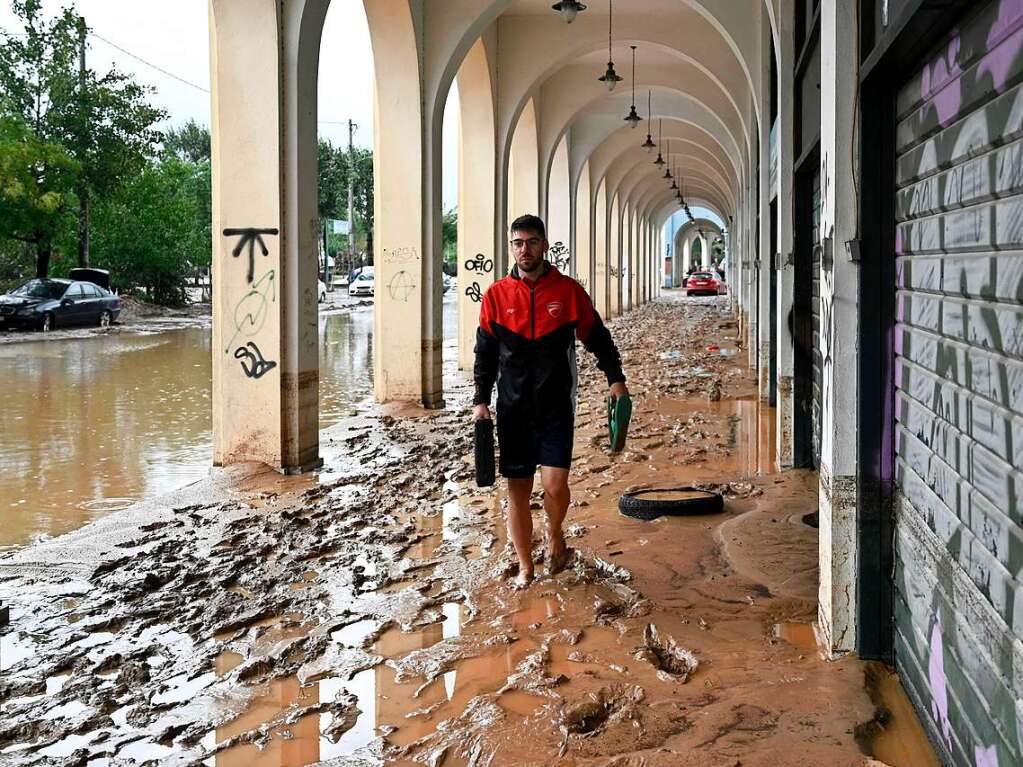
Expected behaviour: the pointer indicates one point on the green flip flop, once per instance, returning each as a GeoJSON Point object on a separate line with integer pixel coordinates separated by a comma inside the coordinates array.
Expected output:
{"type": "Point", "coordinates": [619, 413]}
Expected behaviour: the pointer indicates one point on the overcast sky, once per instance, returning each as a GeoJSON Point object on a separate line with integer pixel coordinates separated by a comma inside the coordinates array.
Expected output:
{"type": "Point", "coordinates": [173, 35]}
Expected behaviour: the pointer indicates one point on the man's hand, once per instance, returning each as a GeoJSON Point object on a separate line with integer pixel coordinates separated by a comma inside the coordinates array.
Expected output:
{"type": "Point", "coordinates": [481, 413]}
{"type": "Point", "coordinates": [619, 389]}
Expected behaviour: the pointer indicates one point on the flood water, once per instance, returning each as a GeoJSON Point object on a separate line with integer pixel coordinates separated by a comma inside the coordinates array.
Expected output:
{"type": "Point", "coordinates": [92, 425]}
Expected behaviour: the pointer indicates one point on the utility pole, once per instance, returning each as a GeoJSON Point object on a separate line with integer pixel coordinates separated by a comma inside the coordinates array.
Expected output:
{"type": "Point", "coordinates": [351, 196]}
{"type": "Point", "coordinates": [83, 183]}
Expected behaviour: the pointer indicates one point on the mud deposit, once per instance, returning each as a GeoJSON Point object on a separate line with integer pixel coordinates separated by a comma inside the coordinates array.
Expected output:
{"type": "Point", "coordinates": [365, 616]}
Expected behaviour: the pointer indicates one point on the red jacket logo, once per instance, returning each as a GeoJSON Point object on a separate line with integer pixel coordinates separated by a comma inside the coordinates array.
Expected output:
{"type": "Point", "coordinates": [554, 308]}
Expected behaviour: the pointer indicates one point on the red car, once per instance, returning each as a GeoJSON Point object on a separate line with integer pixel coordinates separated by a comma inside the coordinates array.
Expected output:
{"type": "Point", "coordinates": [704, 283]}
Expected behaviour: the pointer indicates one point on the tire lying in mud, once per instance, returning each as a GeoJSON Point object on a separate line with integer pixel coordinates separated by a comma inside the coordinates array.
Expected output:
{"type": "Point", "coordinates": [672, 502]}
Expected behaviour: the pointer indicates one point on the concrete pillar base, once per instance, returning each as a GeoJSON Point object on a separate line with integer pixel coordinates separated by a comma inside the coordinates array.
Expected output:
{"type": "Point", "coordinates": [303, 469]}
{"type": "Point", "coordinates": [785, 408]}
{"type": "Point", "coordinates": [836, 603]}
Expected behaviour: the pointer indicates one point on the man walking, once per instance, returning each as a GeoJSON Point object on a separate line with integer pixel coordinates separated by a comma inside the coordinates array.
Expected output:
{"type": "Point", "coordinates": [529, 322]}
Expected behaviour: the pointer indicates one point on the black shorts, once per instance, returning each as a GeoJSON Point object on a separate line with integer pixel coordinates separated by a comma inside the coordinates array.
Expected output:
{"type": "Point", "coordinates": [525, 444]}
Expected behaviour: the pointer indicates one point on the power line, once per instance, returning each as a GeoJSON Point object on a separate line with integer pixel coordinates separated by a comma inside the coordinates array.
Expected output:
{"type": "Point", "coordinates": [149, 64]}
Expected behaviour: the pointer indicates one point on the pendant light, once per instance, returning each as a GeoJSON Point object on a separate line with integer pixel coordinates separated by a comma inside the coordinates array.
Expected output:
{"type": "Point", "coordinates": [660, 160]}
{"type": "Point", "coordinates": [568, 9]}
{"type": "Point", "coordinates": [667, 170]}
{"type": "Point", "coordinates": [648, 144]}
{"type": "Point", "coordinates": [632, 118]}
{"type": "Point", "coordinates": [610, 78]}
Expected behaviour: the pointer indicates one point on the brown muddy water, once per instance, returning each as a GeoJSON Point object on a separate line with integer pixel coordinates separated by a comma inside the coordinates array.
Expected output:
{"type": "Point", "coordinates": [365, 615]}
{"type": "Point", "coordinates": [94, 424]}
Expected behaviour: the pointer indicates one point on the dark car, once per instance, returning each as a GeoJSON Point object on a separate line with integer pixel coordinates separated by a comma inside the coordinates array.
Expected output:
{"type": "Point", "coordinates": [50, 303]}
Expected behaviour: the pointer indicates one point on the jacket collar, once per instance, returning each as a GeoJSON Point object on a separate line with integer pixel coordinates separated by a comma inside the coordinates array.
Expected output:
{"type": "Point", "coordinates": [546, 269]}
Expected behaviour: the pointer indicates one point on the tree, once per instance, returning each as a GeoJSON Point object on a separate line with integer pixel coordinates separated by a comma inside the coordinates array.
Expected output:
{"type": "Point", "coordinates": [150, 232]}
{"type": "Point", "coordinates": [449, 239]}
{"type": "Point", "coordinates": [334, 169]}
{"type": "Point", "coordinates": [37, 180]}
{"type": "Point", "coordinates": [104, 122]}
{"type": "Point", "coordinates": [190, 142]}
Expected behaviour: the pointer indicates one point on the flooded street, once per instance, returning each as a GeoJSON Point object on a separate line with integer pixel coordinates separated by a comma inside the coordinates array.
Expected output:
{"type": "Point", "coordinates": [365, 615]}
{"type": "Point", "coordinates": [93, 424]}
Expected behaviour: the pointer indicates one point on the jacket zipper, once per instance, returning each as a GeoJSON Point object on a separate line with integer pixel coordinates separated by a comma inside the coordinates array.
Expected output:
{"type": "Point", "coordinates": [532, 310]}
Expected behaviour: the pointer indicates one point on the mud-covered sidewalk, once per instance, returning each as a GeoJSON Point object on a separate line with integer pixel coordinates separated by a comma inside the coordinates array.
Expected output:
{"type": "Point", "coordinates": [365, 616]}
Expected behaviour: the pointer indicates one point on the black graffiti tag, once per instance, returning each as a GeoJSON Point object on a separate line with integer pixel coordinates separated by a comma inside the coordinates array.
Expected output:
{"type": "Point", "coordinates": [480, 264]}
{"type": "Point", "coordinates": [251, 237]}
{"type": "Point", "coordinates": [559, 255]}
{"type": "Point", "coordinates": [252, 360]}
{"type": "Point", "coordinates": [474, 292]}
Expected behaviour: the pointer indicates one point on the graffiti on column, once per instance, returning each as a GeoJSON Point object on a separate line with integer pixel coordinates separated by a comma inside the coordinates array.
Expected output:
{"type": "Point", "coordinates": [475, 292]}
{"type": "Point", "coordinates": [251, 311]}
{"type": "Point", "coordinates": [399, 255]}
{"type": "Point", "coordinates": [559, 255]}
{"type": "Point", "coordinates": [253, 364]}
{"type": "Point", "coordinates": [401, 286]}
{"type": "Point", "coordinates": [582, 281]}
{"type": "Point", "coordinates": [252, 237]}
{"type": "Point", "coordinates": [614, 272]}
{"type": "Point", "coordinates": [480, 264]}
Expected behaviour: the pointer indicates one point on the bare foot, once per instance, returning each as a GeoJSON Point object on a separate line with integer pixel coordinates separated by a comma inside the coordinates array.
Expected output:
{"type": "Point", "coordinates": [522, 580]}
{"type": "Point", "coordinates": [558, 553]}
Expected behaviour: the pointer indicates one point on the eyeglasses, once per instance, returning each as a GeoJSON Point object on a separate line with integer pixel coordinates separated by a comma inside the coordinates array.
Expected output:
{"type": "Point", "coordinates": [532, 242]}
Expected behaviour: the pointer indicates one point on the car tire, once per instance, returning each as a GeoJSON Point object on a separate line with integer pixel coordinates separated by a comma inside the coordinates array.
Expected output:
{"type": "Point", "coordinates": [49, 322]}
{"type": "Point", "coordinates": [635, 506]}
{"type": "Point", "coordinates": [105, 319]}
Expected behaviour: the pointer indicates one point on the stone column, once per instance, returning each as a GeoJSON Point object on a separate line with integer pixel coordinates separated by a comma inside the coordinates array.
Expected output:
{"type": "Point", "coordinates": [786, 265]}
{"type": "Point", "coordinates": [265, 334]}
{"type": "Point", "coordinates": [477, 175]}
{"type": "Point", "coordinates": [765, 246]}
{"type": "Point", "coordinates": [600, 251]}
{"type": "Point", "coordinates": [839, 281]}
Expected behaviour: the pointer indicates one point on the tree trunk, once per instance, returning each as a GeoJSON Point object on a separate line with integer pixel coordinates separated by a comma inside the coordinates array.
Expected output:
{"type": "Point", "coordinates": [83, 225]}
{"type": "Point", "coordinates": [43, 252]}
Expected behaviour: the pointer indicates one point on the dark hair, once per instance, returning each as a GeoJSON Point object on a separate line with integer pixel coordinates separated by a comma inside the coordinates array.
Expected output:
{"type": "Point", "coordinates": [529, 223]}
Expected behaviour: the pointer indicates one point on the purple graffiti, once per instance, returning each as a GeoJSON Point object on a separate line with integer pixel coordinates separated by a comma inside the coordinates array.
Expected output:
{"type": "Point", "coordinates": [940, 85]}
{"type": "Point", "coordinates": [985, 757]}
{"type": "Point", "coordinates": [939, 689]}
{"type": "Point", "coordinates": [1004, 42]}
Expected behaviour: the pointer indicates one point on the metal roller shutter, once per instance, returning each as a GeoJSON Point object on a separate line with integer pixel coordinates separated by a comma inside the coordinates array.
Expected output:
{"type": "Point", "coordinates": [958, 345]}
{"type": "Point", "coordinates": [815, 308]}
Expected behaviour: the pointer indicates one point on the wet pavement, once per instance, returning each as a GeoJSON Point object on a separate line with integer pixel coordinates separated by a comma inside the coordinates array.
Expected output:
{"type": "Point", "coordinates": [365, 615]}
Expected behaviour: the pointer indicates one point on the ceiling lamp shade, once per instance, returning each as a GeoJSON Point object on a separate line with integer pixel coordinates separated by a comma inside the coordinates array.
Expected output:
{"type": "Point", "coordinates": [610, 78]}
{"type": "Point", "coordinates": [660, 160]}
{"type": "Point", "coordinates": [568, 9]}
{"type": "Point", "coordinates": [632, 118]}
{"type": "Point", "coordinates": [667, 170]}
{"type": "Point", "coordinates": [648, 145]}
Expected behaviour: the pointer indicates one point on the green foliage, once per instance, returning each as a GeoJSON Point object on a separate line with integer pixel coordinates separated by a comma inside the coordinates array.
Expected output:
{"type": "Point", "coordinates": [150, 233]}
{"type": "Point", "coordinates": [37, 179]}
{"type": "Point", "coordinates": [449, 235]}
{"type": "Point", "coordinates": [105, 123]}
{"type": "Point", "coordinates": [334, 169]}
{"type": "Point", "coordinates": [190, 142]}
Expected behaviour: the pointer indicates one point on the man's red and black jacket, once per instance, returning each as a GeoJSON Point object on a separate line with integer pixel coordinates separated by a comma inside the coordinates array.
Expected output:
{"type": "Point", "coordinates": [526, 342]}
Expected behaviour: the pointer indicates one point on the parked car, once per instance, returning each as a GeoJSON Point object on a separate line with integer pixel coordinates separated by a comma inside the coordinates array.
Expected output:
{"type": "Point", "coordinates": [49, 303]}
{"type": "Point", "coordinates": [448, 282]}
{"type": "Point", "coordinates": [705, 283]}
{"type": "Point", "coordinates": [321, 292]}
{"type": "Point", "coordinates": [362, 285]}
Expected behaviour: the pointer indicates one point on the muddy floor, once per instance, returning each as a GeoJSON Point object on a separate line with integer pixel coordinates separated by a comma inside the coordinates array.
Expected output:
{"type": "Point", "coordinates": [364, 616]}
